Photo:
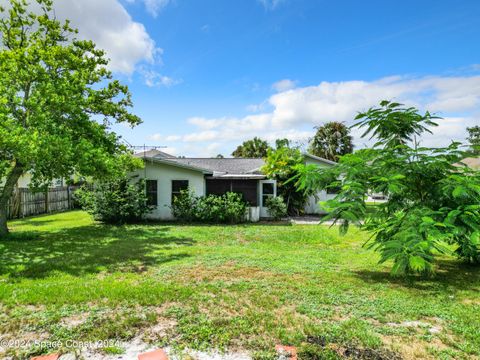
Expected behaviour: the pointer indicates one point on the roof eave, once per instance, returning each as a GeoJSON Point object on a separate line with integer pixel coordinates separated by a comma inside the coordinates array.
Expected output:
{"type": "Point", "coordinates": [330, 162]}
{"type": "Point", "coordinates": [173, 163]}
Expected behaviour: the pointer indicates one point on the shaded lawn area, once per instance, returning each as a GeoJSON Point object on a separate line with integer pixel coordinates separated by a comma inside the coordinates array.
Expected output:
{"type": "Point", "coordinates": [228, 287]}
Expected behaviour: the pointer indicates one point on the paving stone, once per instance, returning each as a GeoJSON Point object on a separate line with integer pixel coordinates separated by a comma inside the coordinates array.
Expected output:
{"type": "Point", "coordinates": [153, 355]}
{"type": "Point", "coordinates": [286, 352]}
{"type": "Point", "coordinates": [46, 357]}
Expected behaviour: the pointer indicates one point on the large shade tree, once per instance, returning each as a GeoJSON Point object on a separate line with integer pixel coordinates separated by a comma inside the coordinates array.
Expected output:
{"type": "Point", "coordinates": [253, 148]}
{"type": "Point", "coordinates": [331, 141]}
{"type": "Point", "coordinates": [433, 201]}
{"type": "Point", "coordinates": [57, 102]}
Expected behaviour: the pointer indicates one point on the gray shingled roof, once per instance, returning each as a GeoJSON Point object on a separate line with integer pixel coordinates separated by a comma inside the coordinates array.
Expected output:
{"type": "Point", "coordinates": [232, 166]}
{"type": "Point", "coordinates": [154, 153]}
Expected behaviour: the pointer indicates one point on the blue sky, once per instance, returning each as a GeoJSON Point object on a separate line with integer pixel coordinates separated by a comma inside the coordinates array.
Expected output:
{"type": "Point", "coordinates": [208, 74]}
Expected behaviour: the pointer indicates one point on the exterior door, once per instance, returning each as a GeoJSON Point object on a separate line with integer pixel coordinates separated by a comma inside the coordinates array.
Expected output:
{"type": "Point", "coordinates": [268, 189]}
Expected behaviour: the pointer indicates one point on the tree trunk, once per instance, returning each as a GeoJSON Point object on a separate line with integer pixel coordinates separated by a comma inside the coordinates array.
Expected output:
{"type": "Point", "coordinates": [5, 195]}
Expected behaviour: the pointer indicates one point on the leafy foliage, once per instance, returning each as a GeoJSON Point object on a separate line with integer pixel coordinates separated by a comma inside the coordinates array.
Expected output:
{"type": "Point", "coordinates": [115, 202]}
{"type": "Point", "coordinates": [57, 102]}
{"type": "Point", "coordinates": [228, 208]}
{"type": "Point", "coordinates": [277, 207]}
{"type": "Point", "coordinates": [433, 202]}
{"type": "Point", "coordinates": [254, 148]}
{"type": "Point", "coordinates": [331, 141]}
{"type": "Point", "coordinates": [474, 139]}
{"type": "Point", "coordinates": [281, 165]}
{"type": "Point", "coordinates": [393, 124]}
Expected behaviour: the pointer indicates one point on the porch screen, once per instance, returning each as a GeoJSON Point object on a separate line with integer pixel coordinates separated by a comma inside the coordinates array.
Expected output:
{"type": "Point", "coordinates": [246, 187]}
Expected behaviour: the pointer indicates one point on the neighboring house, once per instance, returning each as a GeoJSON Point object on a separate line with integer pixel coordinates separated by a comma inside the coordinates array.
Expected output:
{"type": "Point", "coordinates": [472, 162]}
{"type": "Point", "coordinates": [312, 205]}
{"type": "Point", "coordinates": [167, 175]}
{"type": "Point", "coordinates": [26, 179]}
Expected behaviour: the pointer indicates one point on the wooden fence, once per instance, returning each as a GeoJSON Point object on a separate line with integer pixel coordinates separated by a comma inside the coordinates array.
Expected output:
{"type": "Point", "coordinates": [27, 202]}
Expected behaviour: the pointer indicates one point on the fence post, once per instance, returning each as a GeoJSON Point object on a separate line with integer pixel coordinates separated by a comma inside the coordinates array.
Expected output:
{"type": "Point", "coordinates": [46, 201]}
{"type": "Point", "coordinates": [18, 201]}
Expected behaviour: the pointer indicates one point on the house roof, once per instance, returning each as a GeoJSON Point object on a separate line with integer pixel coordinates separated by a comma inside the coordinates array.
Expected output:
{"type": "Point", "coordinates": [318, 158]}
{"type": "Point", "coordinates": [232, 166]}
{"type": "Point", "coordinates": [224, 168]}
{"type": "Point", "coordinates": [472, 162]}
{"type": "Point", "coordinates": [154, 153]}
{"type": "Point", "coordinates": [170, 161]}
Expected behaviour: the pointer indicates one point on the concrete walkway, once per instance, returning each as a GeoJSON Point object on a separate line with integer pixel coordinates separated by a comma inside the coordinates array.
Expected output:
{"type": "Point", "coordinates": [308, 220]}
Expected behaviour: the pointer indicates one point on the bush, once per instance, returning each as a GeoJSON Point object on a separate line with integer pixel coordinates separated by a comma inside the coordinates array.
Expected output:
{"type": "Point", "coordinates": [116, 202]}
{"type": "Point", "coordinates": [185, 205]}
{"type": "Point", "coordinates": [281, 165]}
{"type": "Point", "coordinates": [227, 208]}
{"type": "Point", "coordinates": [277, 207]}
{"type": "Point", "coordinates": [432, 202]}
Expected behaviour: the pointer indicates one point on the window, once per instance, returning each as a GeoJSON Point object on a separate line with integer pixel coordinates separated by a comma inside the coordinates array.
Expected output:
{"type": "Point", "coordinates": [152, 192]}
{"type": "Point", "coordinates": [268, 191]}
{"type": "Point", "coordinates": [178, 186]}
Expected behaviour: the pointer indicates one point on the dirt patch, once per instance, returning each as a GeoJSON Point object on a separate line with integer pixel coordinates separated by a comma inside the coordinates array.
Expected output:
{"type": "Point", "coordinates": [228, 272]}
{"type": "Point", "coordinates": [231, 272]}
{"type": "Point", "coordinates": [317, 348]}
{"type": "Point", "coordinates": [352, 352]}
{"type": "Point", "coordinates": [161, 329]}
{"type": "Point", "coordinates": [74, 320]}
{"type": "Point", "coordinates": [473, 302]}
{"type": "Point", "coordinates": [432, 329]}
{"type": "Point", "coordinates": [413, 348]}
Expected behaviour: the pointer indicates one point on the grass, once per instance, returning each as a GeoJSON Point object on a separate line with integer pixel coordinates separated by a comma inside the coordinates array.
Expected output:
{"type": "Point", "coordinates": [65, 277]}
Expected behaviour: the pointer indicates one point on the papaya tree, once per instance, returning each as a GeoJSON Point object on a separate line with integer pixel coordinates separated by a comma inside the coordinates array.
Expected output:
{"type": "Point", "coordinates": [433, 200]}
{"type": "Point", "coordinates": [58, 101]}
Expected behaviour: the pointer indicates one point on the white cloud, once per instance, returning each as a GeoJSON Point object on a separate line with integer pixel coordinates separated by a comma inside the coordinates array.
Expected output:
{"type": "Point", "coordinates": [106, 22]}
{"type": "Point", "coordinates": [296, 111]}
{"type": "Point", "coordinates": [202, 136]}
{"type": "Point", "coordinates": [111, 27]}
{"type": "Point", "coordinates": [153, 7]}
{"type": "Point", "coordinates": [270, 4]}
{"type": "Point", "coordinates": [153, 78]}
{"type": "Point", "coordinates": [340, 101]}
{"type": "Point", "coordinates": [284, 85]}
{"type": "Point", "coordinates": [204, 123]}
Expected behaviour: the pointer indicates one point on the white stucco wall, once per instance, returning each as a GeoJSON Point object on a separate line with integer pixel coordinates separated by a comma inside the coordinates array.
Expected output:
{"type": "Point", "coordinates": [312, 205]}
{"type": "Point", "coordinates": [164, 174]}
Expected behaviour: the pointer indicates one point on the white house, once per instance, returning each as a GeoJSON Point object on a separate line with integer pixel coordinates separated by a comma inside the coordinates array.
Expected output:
{"type": "Point", "coordinates": [312, 205]}
{"type": "Point", "coordinates": [26, 179]}
{"type": "Point", "coordinates": [167, 175]}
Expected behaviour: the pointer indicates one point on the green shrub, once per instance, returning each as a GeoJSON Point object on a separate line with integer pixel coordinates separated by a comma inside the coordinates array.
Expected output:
{"type": "Point", "coordinates": [185, 205]}
{"type": "Point", "coordinates": [432, 202]}
{"type": "Point", "coordinates": [276, 207]}
{"type": "Point", "coordinates": [116, 202]}
{"type": "Point", "coordinates": [227, 208]}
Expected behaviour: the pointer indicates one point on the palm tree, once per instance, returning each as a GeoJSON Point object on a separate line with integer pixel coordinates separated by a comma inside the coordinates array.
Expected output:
{"type": "Point", "coordinates": [254, 148]}
{"type": "Point", "coordinates": [331, 141]}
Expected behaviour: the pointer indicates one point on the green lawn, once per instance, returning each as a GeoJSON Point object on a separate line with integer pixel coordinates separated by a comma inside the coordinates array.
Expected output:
{"type": "Point", "coordinates": [228, 287]}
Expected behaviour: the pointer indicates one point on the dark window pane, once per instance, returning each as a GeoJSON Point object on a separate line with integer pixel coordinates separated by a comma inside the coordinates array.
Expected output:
{"type": "Point", "coordinates": [264, 200]}
{"type": "Point", "coordinates": [178, 186]}
{"type": "Point", "coordinates": [268, 188]}
{"type": "Point", "coordinates": [152, 192]}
